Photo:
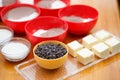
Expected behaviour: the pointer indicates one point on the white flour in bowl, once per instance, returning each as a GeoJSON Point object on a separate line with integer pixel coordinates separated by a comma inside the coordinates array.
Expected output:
{"type": "Point", "coordinates": [51, 4]}
{"type": "Point", "coordinates": [48, 33]}
{"type": "Point", "coordinates": [14, 51]}
{"type": "Point", "coordinates": [6, 2]}
{"type": "Point", "coordinates": [26, 1]}
{"type": "Point", "coordinates": [5, 35]}
{"type": "Point", "coordinates": [20, 14]}
{"type": "Point", "coordinates": [15, 48]}
{"type": "Point", "coordinates": [76, 19]}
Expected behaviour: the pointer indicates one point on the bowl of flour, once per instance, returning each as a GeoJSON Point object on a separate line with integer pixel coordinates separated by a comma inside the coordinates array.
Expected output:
{"type": "Point", "coordinates": [46, 28]}
{"type": "Point", "coordinates": [80, 18]}
{"type": "Point", "coordinates": [16, 16]}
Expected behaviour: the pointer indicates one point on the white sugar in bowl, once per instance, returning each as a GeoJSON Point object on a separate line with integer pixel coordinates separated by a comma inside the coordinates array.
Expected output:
{"type": "Point", "coordinates": [16, 49]}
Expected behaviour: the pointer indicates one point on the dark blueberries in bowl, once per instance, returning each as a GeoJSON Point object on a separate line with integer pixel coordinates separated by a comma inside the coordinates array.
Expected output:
{"type": "Point", "coordinates": [50, 54]}
{"type": "Point", "coordinates": [50, 51]}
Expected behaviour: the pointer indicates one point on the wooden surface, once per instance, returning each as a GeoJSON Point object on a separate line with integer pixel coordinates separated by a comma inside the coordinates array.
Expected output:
{"type": "Point", "coordinates": [106, 70]}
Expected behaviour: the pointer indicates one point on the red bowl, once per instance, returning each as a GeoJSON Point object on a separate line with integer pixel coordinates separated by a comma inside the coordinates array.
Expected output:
{"type": "Point", "coordinates": [17, 26]}
{"type": "Point", "coordinates": [50, 12]}
{"type": "Point", "coordinates": [45, 23]}
{"type": "Point", "coordinates": [82, 11]}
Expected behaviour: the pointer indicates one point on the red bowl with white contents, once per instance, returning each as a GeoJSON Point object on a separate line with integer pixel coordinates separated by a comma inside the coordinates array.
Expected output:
{"type": "Point", "coordinates": [16, 16]}
{"type": "Point", "coordinates": [51, 7]}
{"type": "Point", "coordinates": [46, 28]}
{"type": "Point", "coordinates": [80, 18]}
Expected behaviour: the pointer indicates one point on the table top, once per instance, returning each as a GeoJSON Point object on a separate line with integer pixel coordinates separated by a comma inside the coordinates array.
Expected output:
{"type": "Point", "coordinates": [105, 70]}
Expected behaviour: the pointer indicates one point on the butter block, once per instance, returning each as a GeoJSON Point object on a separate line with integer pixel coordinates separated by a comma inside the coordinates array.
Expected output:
{"type": "Point", "coordinates": [114, 44]}
{"type": "Point", "coordinates": [85, 56]}
{"type": "Point", "coordinates": [74, 46]}
{"type": "Point", "coordinates": [89, 41]}
{"type": "Point", "coordinates": [101, 50]}
{"type": "Point", "coordinates": [102, 35]}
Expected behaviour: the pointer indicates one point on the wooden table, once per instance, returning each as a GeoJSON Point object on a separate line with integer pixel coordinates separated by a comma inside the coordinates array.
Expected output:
{"type": "Point", "coordinates": [105, 70]}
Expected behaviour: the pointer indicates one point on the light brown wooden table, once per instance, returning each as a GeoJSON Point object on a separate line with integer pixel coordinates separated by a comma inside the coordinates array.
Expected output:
{"type": "Point", "coordinates": [105, 70]}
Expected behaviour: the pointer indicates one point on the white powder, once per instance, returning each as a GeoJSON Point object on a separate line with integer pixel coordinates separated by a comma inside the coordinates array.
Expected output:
{"type": "Point", "coordinates": [5, 35]}
{"type": "Point", "coordinates": [48, 33]}
{"type": "Point", "coordinates": [15, 49]}
{"type": "Point", "coordinates": [6, 2]}
{"type": "Point", "coordinates": [26, 1]}
{"type": "Point", "coordinates": [76, 19]}
{"type": "Point", "coordinates": [51, 4]}
{"type": "Point", "coordinates": [21, 14]}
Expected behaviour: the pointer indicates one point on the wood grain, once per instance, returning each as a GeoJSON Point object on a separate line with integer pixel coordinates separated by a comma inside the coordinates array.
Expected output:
{"type": "Point", "coordinates": [106, 70]}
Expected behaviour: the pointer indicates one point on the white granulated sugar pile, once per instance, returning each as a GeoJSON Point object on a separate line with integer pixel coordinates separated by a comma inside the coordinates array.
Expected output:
{"type": "Point", "coordinates": [51, 4]}
{"type": "Point", "coordinates": [76, 19]}
{"type": "Point", "coordinates": [57, 4]}
{"type": "Point", "coordinates": [21, 14]}
{"type": "Point", "coordinates": [6, 2]}
{"type": "Point", "coordinates": [26, 1]}
{"type": "Point", "coordinates": [48, 33]}
{"type": "Point", "coordinates": [15, 50]}
{"type": "Point", "coordinates": [5, 35]}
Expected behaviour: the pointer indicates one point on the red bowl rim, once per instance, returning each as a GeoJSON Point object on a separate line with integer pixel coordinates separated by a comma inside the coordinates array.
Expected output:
{"type": "Point", "coordinates": [79, 5]}
{"type": "Point", "coordinates": [15, 6]}
{"type": "Point", "coordinates": [52, 17]}
{"type": "Point", "coordinates": [52, 9]}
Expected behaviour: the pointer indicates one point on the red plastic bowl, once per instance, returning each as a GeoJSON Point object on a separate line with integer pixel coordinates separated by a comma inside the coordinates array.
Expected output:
{"type": "Point", "coordinates": [45, 23]}
{"type": "Point", "coordinates": [18, 27]}
{"type": "Point", "coordinates": [50, 12]}
{"type": "Point", "coordinates": [79, 28]}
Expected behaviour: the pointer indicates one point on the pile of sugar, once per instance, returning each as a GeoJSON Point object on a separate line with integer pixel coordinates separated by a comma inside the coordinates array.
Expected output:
{"type": "Point", "coordinates": [21, 14]}
{"type": "Point", "coordinates": [15, 50]}
{"type": "Point", "coordinates": [26, 1]}
{"type": "Point", "coordinates": [51, 4]}
{"type": "Point", "coordinates": [48, 33]}
{"type": "Point", "coordinates": [5, 35]}
{"type": "Point", "coordinates": [6, 2]}
{"type": "Point", "coordinates": [76, 19]}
